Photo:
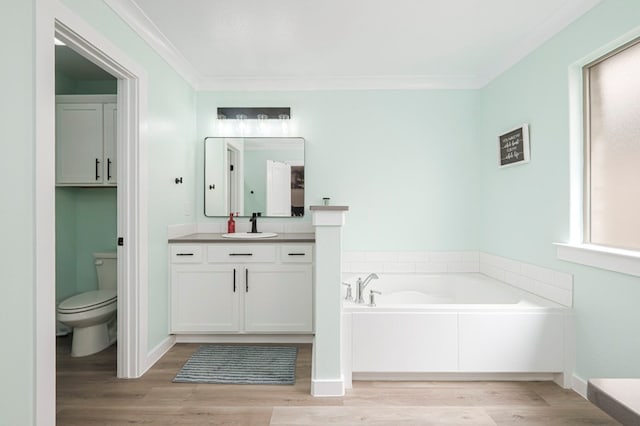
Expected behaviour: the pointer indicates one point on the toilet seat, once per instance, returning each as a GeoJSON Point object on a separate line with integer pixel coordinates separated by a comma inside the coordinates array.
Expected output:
{"type": "Point", "coordinates": [88, 301]}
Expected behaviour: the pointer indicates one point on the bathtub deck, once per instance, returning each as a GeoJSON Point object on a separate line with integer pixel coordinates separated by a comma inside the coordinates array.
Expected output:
{"type": "Point", "coordinates": [89, 394]}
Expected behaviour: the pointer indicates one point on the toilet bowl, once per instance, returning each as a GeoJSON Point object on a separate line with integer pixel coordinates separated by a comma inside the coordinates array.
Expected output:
{"type": "Point", "coordinates": [92, 314]}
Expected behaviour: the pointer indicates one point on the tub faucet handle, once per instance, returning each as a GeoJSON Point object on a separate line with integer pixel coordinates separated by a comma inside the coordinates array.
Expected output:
{"type": "Point", "coordinates": [372, 297]}
{"type": "Point", "coordinates": [349, 296]}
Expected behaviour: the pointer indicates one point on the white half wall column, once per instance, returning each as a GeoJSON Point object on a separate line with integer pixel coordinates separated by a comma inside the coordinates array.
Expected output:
{"type": "Point", "coordinates": [327, 376]}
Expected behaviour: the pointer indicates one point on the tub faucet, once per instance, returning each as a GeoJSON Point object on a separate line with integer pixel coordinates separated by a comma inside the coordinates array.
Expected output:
{"type": "Point", "coordinates": [361, 285]}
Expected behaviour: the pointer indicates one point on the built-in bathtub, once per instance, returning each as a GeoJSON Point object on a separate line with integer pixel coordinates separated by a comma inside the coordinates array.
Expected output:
{"type": "Point", "coordinates": [454, 326]}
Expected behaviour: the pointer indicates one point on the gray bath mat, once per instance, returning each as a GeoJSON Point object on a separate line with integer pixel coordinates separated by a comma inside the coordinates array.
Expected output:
{"type": "Point", "coordinates": [264, 365]}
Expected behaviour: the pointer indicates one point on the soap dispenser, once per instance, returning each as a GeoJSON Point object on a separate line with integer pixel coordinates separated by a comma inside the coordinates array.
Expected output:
{"type": "Point", "coordinates": [231, 224]}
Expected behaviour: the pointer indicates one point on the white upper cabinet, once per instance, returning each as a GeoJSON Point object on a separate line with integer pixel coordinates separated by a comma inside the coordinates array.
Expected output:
{"type": "Point", "coordinates": [86, 140]}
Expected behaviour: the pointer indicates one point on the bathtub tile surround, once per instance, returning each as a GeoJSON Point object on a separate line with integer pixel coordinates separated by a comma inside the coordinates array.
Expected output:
{"type": "Point", "coordinates": [553, 285]}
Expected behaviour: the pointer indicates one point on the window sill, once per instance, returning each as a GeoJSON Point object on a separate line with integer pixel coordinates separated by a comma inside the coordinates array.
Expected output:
{"type": "Point", "coordinates": [612, 259]}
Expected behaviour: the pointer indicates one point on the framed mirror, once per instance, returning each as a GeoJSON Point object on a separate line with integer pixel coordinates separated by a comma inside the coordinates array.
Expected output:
{"type": "Point", "coordinates": [247, 175]}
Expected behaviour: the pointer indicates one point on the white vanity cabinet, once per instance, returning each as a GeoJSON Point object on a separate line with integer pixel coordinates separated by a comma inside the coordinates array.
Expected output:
{"type": "Point", "coordinates": [241, 288]}
{"type": "Point", "coordinates": [86, 140]}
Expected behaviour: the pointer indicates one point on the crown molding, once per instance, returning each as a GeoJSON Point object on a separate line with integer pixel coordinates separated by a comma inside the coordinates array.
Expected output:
{"type": "Point", "coordinates": [139, 22]}
{"type": "Point", "coordinates": [363, 82]}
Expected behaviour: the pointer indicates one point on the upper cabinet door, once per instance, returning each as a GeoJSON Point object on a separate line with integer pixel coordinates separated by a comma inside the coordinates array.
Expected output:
{"type": "Point", "coordinates": [79, 143]}
{"type": "Point", "coordinates": [110, 137]}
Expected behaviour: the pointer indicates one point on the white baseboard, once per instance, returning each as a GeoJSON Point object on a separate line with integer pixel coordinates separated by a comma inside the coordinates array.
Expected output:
{"type": "Point", "coordinates": [244, 338]}
{"type": "Point", "coordinates": [326, 388]}
{"type": "Point", "coordinates": [563, 380]}
{"type": "Point", "coordinates": [158, 352]}
{"type": "Point", "coordinates": [465, 377]}
{"type": "Point", "coordinates": [580, 386]}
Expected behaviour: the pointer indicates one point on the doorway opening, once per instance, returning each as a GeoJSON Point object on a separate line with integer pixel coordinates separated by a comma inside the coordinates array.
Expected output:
{"type": "Point", "coordinates": [86, 203]}
{"type": "Point", "coordinates": [130, 197]}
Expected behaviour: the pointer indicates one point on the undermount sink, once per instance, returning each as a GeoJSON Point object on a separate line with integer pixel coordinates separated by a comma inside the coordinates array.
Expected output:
{"type": "Point", "coordinates": [249, 235]}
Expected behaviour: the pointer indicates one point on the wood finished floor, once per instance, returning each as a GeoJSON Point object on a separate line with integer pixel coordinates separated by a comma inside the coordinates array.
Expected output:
{"type": "Point", "coordinates": [89, 394]}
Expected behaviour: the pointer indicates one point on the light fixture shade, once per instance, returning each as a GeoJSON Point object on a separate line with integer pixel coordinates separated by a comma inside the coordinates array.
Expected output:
{"type": "Point", "coordinates": [262, 113]}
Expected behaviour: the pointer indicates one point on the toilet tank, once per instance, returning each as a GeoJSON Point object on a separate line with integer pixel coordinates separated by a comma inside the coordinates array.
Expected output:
{"type": "Point", "coordinates": [107, 270]}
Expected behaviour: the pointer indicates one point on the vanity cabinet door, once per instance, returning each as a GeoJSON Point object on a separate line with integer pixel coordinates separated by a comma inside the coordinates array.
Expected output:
{"type": "Point", "coordinates": [278, 299]}
{"type": "Point", "coordinates": [204, 299]}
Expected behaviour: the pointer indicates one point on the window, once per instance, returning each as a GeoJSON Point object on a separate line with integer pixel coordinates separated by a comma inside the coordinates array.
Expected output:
{"type": "Point", "coordinates": [612, 149]}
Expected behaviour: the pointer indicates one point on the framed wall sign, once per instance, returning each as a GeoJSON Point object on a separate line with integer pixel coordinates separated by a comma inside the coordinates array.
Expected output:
{"type": "Point", "coordinates": [514, 146]}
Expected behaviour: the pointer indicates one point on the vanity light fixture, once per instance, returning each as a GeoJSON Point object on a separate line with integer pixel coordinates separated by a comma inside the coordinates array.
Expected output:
{"type": "Point", "coordinates": [254, 121]}
{"type": "Point", "coordinates": [254, 113]}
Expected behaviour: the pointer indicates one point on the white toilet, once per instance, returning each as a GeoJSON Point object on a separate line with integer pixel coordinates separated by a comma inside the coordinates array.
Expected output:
{"type": "Point", "coordinates": [92, 315]}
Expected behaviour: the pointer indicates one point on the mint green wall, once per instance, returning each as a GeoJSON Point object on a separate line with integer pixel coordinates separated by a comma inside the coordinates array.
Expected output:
{"type": "Point", "coordinates": [170, 134]}
{"type": "Point", "coordinates": [66, 85]}
{"type": "Point", "coordinates": [96, 87]}
{"type": "Point", "coordinates": [17, 254]}
{"type": "Point", "coordinates": [525, 208]}
{"type": "Point", "coordinates": [66, 243]}
{"type": "Point", "coordinates": [85, 223]}
{"type": "Point", "coordinates": [405, 161]}
{"type": "Point", "coordinates": [96, 217]}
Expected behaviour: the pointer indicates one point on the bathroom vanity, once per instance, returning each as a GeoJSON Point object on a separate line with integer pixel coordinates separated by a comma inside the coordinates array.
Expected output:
{"type": "Point", "coordinates": [227, 286]}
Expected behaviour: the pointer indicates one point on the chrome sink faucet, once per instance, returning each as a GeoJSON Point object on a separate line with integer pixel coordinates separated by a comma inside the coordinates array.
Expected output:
{"type": "Point", "coordinates": [361, 285]}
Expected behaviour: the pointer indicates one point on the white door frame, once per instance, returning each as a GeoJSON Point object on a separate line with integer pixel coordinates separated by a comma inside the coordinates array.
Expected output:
{"type": "Point", "coordinates": [54, 18]}
{"type": "Point", "coordinates": [235, 185]}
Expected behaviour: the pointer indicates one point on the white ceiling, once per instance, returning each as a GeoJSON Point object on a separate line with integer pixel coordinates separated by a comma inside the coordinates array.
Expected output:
{"type": "Point", "coordinates": [335, 44]}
